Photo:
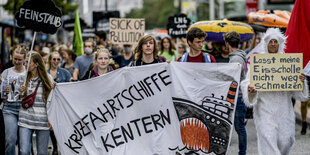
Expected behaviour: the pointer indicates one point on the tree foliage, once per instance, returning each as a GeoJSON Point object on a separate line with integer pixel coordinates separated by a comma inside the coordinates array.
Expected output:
{"type": "Point", "coordinates": [66, 6]}
{"type": "Point", "coordinates": [155, 12]}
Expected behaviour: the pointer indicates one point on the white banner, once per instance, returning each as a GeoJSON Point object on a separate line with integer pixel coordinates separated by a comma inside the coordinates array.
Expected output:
{"type": "Point", "coordinates": [155, 109]}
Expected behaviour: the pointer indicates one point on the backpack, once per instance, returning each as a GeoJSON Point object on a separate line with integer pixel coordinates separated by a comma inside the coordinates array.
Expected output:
{"type": "Point", "coordinates": [205, 56]}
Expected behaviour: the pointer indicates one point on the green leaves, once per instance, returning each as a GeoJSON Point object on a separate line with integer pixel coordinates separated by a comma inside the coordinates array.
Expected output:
{"type": "Point", "coordinates": [155, 12]}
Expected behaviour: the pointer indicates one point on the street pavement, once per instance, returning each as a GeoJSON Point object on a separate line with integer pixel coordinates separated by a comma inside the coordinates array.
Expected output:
{"type": "Point", "coordinates": [301, 145]}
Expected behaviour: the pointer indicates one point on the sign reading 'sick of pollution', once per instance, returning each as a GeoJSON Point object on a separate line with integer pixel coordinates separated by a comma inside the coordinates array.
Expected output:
{"type": "Point", "coordinates": [177, 25]}
{"type": "Point", "coordinates": [276, 72]}
{"type": "Point", "coordinates": [39, 15]}
{"type": "Point", "coordinates": [126, 30]}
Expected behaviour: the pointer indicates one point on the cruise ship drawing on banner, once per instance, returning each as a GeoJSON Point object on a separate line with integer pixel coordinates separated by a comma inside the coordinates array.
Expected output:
{"type": "Point", "coordinates": [205, 126]}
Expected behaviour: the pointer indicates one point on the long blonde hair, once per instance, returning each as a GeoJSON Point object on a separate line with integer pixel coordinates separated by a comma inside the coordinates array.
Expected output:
{"type": "Point", "coordinates": [138, 49]}
{"type": "Point", "coordinates": [47, 85]}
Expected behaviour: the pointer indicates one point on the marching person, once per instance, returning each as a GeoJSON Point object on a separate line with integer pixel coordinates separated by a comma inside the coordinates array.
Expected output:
{"type": "Point", "coordinates": [168, 49]}
{"type": "Point", "coordinates": [195, 38]}
{"type": "Point", "coordinates": [232, 40]}
{"type": "Point", "coordinates": [82, 62]}
{"type": "Point", "coordinates": [100, 65]}
{"type": "Point", "coordinates": [181, 49]}
{"type": "Point", "coordinates": [274, 115]}
{"type": "Point", "coordinates": [146, 52]}
{"type": "Point", "coordinates": [126, 56]}
{"type": "Point", "coordinates": [13, 102]}
{"type": "Point", "coordinates": [70, 57]}
{"type": "Point", "coordinates": [34, 118]}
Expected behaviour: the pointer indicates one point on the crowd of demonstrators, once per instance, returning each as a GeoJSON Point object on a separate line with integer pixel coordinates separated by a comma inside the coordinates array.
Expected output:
{"type": "Point", "coordinates": [100, 65]}
{"type": "Point", "coordinates": [34, 119]}
{"type": "Point", "coordinates": [62, 65]}
{"type": "Point", "coordinates": [232, 40]}
{"type": "Point", "coordinates": [168, 49]}
{"type": "Point", "coordinates": [274, 116]}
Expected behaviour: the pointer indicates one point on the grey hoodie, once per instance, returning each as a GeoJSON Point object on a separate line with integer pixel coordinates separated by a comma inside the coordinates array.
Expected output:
{"type": "Point", "coordinates": [239, 56]}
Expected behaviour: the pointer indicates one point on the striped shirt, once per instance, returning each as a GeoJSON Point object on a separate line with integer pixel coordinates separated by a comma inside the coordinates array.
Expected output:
{"type": "Point", "coordinates": [34, 117]}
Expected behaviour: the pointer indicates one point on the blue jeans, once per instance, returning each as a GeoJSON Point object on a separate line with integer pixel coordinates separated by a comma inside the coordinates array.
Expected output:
{"type": "Point", "coordinates": [240, 125]}
{"type": "Point", "coordinates": [10, 116]}
{"type": "Point", "coordinates": [25, 138]}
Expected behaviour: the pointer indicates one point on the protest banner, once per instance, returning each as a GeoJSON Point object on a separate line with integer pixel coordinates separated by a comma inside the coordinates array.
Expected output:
{"type": "Point", "coordinates": [126, 30]}
{"type": "Point", "coordinates": [39, 15]}
{"type": "Point", "coordinates": [276, 72]}
{"type": "Point", "coordinates": [147, 110]}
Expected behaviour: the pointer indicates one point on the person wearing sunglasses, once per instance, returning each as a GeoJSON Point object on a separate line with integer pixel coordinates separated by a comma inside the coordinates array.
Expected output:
{"type": "Point", "coordinates": [59, 75]}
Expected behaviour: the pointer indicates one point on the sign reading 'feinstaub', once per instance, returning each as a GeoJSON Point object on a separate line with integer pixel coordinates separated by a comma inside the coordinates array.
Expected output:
{"type": "Point", "coordinates": [126, 30]}
{"type": "Point", "coordinates": [274, 72]}
{"type": "Point", "coordinates": [40, 16]}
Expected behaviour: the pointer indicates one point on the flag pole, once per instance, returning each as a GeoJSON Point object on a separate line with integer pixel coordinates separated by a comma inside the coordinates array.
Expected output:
{"type": "Point", "coordinates": [29, 58]}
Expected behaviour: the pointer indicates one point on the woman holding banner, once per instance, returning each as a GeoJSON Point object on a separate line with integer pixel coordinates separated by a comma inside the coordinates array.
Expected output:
{"type": "Point", "coordinates": [274, 116]}
{"type": "Point", "coordinates": [59, 75]}
{"type": "Point", "coordinates": [146, 52]}
{"type": "Point", "coordinates": [12, 104]}
{"type": "Point", "coordinates": [34, 118]}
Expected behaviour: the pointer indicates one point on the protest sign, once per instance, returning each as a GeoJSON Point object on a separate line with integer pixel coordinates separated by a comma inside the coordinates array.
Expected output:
{"type": "Point", "coordinates": [177, 25]}
{"type": "Point", "coordinates": [39, 15]}
{"type": "Point", "coordinates": [101, 19]}
{"type": "Point", "coordinates": [70, 23]}
{"type": "Point", "coordinates": [147, 110]}
{"type": "Point", "coordinates": [88, 32]}
{"type": "Point", "coordinates": [126, 30]}
{"type": "Point", "coordinates": [276, 72]}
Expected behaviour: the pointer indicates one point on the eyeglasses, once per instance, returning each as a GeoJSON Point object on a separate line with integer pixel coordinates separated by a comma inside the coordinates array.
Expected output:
{"type": "Point", "coordinates": [56, 59]}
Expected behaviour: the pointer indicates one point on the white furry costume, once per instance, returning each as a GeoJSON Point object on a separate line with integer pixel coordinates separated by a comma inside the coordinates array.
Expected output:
{"type": "Point", "coordinates": [274, 115]}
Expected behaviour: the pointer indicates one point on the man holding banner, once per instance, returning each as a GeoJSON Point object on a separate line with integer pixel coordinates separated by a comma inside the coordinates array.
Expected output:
{"type": "Point", "coordinates": [274, 116]}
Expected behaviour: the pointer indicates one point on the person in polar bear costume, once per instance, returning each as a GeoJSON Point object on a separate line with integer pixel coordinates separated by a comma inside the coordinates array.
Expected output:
{"type": "Point", "coordinates": [274, 115]}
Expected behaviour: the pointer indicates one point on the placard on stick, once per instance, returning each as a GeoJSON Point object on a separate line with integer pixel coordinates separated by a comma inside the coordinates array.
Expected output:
{"type": "Point", "coordinates": [276, 72]}
{"type": "Point", "coordinates": [39, 15]}
{"type": "Point", "coordinates": [126, 30]}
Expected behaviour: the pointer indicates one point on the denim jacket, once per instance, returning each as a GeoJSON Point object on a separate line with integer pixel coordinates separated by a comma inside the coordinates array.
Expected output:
{"type": "Point", "coordinates": [62, 75]}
